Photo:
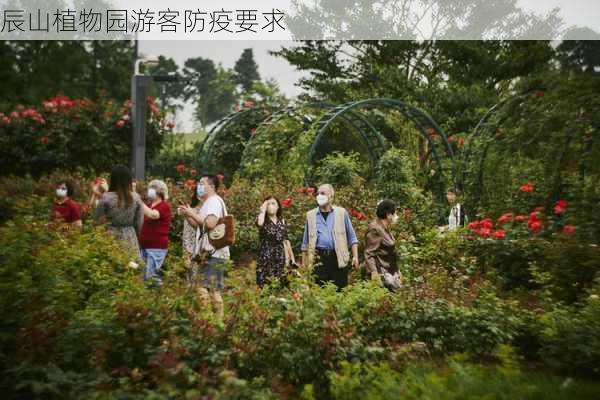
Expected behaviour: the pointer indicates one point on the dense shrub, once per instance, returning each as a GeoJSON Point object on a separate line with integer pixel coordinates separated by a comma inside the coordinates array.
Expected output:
{"type": "Point", "coordinates": [339, 169]}
{"type": "Point", "coordinates": [67, 134]}
{"type": "Point", "coordinates": [79, 324]}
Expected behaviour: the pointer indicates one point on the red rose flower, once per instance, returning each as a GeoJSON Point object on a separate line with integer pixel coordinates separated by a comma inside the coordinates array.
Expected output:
{"type": "Point", "coordinates": [473, 225]}
{"type": "Point", "coordinates": [484, 232]}
{"type": "Point", "coordinates": [568, 229]}
{"type": "Point", "coordinates": [286, 203]}
{"type": "Point", "coordinates": [190, 183]}
{"type": "Point", "coordinates": [193, 171]}
{"type": "Point", "coordinates": [301, 190]}
{"type": "Point", "coordinates": [180, 168]}
{"type": "Point", "coordinates": [487, 223]}
{"type": "Point", "coordinates": [558, 210]}
{"type": "Point", "coordinates": [499, 234]}
{"type": "Point", "coordinates": [310, 190]}
{"type": "Point", "coordinates": [562, 203]}
{"type": "Point", "coordinates": [505, 218]}
{"type": "Point", "coordinates": [120, 123]}
{"type": "Point", "coordinates": [44, 139]}
{"type": "Point", "coordinates": [520, 218]}
{"type": "Point", "coordinates": [534, 225]}
{"type": "Point", "coordinates": [527, 187]}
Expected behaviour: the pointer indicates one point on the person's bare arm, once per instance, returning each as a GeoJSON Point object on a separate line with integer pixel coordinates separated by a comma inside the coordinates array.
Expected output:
{"type": "Point", "coordinates": [193, 218]}
{"type": "Point", "coordinates": [288, 248]}
{"type": "Point", "coordinates": [150, 213]}
{"type": "Point", "coordinates": [355, 256]}
{"type": "Point", "coordinates": [261, 216]}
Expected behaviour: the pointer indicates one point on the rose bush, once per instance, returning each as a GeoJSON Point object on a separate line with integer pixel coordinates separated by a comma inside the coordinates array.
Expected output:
{"type": "Point", "coordinates": [64, 133]}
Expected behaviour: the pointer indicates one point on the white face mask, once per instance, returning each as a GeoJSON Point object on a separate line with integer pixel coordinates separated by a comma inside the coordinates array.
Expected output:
{"type": "Point", "coordinates": [322, 200]}
{"type": "Point", "coordinates": [152, 193]}
{"type": "Point", "coordinates": [61, 192]}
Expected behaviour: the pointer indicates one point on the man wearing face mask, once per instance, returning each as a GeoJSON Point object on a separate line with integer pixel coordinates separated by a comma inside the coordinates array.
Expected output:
{"type": "Point", "coordinates": [380, 247]}
{"type": "Point", "coordinates": [206, 218]}
{"type": "Point", "coordinates": [328, 233]}
{"type": "Point", "coordinates": [64, 208]}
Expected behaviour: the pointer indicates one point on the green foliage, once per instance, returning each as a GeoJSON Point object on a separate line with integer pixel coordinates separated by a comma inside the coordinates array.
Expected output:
{"type": "Point", "coordinates": [79, 324]}
{"type": "Point", "coordinates": [246, 70]}
{"type": "Point", "coordinates": [70, 134]}
{"type": "Point", "coordinates": [396, 180]}
{"type": "Point", "coordinates": [570, 338]}
{"type": "Point", "coordinates": [339, 169]}
{"type": "Point", "coordinates": [33, 71]}
{"type": "Point", "coordinates": [460, 379]}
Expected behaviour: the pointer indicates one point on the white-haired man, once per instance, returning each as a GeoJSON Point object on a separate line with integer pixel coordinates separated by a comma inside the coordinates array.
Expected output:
{"type": "Point", "coordinates": [328, 233]}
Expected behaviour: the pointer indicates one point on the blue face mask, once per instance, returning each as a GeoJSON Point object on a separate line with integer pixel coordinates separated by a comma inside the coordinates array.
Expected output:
{"type": "Point", "coordinates": [200, 190]}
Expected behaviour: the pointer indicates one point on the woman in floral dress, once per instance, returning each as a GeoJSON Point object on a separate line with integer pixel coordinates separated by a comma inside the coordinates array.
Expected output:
{"type": "Point", "coordinates": [275, 251]}
{"type": "Point", "coordinates": [122, 209]}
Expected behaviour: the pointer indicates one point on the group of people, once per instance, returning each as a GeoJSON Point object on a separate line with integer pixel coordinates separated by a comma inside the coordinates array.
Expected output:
{"type": "Point", "coordinates": [329, 241]}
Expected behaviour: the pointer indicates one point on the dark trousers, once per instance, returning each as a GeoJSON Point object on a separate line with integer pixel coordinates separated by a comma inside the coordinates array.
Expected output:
{"type": "Point", "coordinates": [327, 270]}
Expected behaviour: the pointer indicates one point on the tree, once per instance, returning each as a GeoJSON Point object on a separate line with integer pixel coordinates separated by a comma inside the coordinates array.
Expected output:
{"type": "Point", "coordinates": [168, 93]}
{"type": "Point", "coordinates": [210, 87]}
{"type": "Point", "coordinates": [246, 70]}
{"type": "Point", "coordinates": [38, 70]}
{"type": "Point", "coordinates": [581, 55]}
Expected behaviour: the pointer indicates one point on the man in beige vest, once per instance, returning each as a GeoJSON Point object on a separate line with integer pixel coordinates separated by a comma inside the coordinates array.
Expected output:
{"type": "Point", "coordinates": [328, 233]}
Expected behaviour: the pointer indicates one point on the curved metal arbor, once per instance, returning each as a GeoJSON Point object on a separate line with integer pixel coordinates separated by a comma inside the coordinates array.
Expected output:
{"type": "Point", "coordinates": [422, 121]}
{"type": "Point", "coordinates": [486, 133]}
{"type": "Point", "coordinates": [357, 121]}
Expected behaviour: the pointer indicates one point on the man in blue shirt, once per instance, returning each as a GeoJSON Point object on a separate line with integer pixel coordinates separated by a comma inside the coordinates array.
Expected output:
{"type": "Point", "coordinates": [328, 233]}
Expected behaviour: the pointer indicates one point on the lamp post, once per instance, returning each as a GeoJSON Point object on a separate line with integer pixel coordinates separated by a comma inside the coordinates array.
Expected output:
{"type": "Point", "coordinates": [140, 84]}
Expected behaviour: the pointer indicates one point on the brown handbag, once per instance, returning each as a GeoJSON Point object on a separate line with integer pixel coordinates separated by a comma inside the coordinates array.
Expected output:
{"type": "Point", "coordinates": [223, 234]}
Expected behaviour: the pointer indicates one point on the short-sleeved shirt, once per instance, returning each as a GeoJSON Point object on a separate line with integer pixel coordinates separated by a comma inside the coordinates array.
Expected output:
{"type": "Point", "coordinates": [155, 232]}
{"type": "Point", "coordinates": [69, 211]}
{"type": "Point", "coordinates": [214, 205]}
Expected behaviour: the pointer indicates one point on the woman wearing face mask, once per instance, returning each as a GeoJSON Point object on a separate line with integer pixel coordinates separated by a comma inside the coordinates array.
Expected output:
{"type": "Point", "coordinates": [380, 250]}
{"type": "Point", "coordinates": [122, 209]}
{"type": "Point", "coordinates": [154, 237]}
{"type": "Point", "coordinates": [64, 208]}
{"type": "Point", "coordinates": [275, 250]}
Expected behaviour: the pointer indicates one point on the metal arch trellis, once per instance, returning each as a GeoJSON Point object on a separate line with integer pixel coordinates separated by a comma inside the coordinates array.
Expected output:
{"type": "Point", "coordinates": [221, 125]}
{"type": "Point", "coordinates": [482, 128]}
{"type": "Point", "coordinates": [376, 143]}
{"type": "Point", "coordinates": [361, 125]}
{"type": "Point", "coordinates": [488, 132]}
{"type": "Point", "coordinates": [420, 118]}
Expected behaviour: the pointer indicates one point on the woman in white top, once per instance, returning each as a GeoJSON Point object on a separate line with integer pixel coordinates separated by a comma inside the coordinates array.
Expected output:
{"type": "Point", "coordinates": [458, 216]}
